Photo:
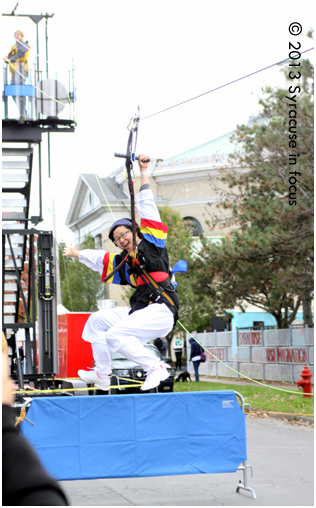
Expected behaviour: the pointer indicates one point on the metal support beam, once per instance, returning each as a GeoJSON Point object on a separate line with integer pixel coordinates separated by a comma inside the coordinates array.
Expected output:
{"type": "Point", "coordinates": [47, 304]}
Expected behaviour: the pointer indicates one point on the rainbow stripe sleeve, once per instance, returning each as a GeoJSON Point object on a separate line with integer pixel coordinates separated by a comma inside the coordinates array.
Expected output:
{"type": "Point", "coordinates": [154, 232]}
{"type": "Point", "coordinates": [109, 263]}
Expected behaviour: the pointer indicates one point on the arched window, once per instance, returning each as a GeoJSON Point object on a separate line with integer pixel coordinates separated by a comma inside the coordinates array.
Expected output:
{"type": "Point", "coordinates": [193, 225]}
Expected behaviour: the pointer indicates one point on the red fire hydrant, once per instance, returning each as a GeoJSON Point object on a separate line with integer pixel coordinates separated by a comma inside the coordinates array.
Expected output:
{"type": "Point", "coordinates": [305, 382]}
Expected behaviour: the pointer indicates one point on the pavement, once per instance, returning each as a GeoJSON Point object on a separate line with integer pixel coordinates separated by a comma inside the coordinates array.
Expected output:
{"type": "Point", "coordinates": [282, 456]}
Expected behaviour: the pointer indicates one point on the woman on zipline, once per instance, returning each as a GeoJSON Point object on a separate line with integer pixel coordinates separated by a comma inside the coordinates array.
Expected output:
{"type": "Point", "coordinates": [154, 304]}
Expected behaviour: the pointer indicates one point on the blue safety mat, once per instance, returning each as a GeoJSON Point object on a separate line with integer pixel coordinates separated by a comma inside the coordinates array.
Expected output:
{"type": "Point", "coordinates": [117, 436]}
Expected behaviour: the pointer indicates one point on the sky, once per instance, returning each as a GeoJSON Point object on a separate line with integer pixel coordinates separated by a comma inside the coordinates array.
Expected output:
{"type": "Point", "coordinates": [151, 54]}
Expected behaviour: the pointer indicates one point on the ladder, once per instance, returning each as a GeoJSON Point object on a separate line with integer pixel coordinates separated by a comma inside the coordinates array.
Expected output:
{"type": "Point", "coordinates": [18, 263]}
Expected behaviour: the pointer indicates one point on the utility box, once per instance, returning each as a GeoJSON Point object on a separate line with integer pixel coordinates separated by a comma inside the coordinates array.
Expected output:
{"type": "Point", "coordinates": [74, 353]}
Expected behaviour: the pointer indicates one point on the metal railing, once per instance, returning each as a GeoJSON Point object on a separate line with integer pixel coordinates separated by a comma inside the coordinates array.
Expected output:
{"type": "Point", "coordinates": [33, 97]}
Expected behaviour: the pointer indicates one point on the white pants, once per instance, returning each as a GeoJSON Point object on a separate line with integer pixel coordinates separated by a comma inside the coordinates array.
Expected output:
{"type": "Point", "coordinates": [115, 330]}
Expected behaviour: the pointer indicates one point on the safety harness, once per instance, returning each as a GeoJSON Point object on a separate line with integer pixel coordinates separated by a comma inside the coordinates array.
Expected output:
{"type": "Point", "coordinates": [156, 281]}
{"type": "Point", "coordinates": [19, 61]}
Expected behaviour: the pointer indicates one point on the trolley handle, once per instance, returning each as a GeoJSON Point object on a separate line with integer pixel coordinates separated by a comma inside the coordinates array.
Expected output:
{"type": "Point", "coordinates": [124, 156]}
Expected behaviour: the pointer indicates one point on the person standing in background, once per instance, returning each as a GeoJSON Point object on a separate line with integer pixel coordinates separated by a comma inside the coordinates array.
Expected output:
{"type": "Point", "coordinates": [178, 345]}
{"type": "Point", "coordinates": [19, 68]}
{"type": "Point", "coordinates": [162, 345]}
{"type": "Point", "coordinates": [195, 356]}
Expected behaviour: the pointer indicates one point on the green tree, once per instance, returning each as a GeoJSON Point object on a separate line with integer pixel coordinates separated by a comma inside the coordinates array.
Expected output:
{"type": "Point", "coordinates": [81, 287]}
{"type": "Point", "coordinates": [195, 309]}
{"type": "Point", "coordinates": [267, 259]}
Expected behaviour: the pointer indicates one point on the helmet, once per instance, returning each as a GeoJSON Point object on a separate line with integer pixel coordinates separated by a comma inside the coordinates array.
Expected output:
{"type": "Point", "coordinates": [123, 222]}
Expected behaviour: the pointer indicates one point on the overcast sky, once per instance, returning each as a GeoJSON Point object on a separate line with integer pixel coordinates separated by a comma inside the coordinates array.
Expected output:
{"type": "Point", "coordinates": [153, 54]}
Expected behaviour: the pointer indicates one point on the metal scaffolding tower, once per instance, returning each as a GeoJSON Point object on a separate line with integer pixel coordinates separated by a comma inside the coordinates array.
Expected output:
{"type": "Point", "coordinates": [28, 254]}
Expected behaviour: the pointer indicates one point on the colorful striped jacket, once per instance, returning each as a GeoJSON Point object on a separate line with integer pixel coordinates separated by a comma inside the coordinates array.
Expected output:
{"type": "Point", "coordinates": [154, 255]}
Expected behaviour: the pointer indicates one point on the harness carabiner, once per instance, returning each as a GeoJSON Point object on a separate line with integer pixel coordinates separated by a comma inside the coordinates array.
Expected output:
{"type": "Point", "coordinates": [134, 121]}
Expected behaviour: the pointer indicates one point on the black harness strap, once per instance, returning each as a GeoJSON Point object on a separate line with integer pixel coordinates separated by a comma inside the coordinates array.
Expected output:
{"type": "Point", "coordinates": [157, 288]}
{"type": "Point", "coordinates": [129, 156]}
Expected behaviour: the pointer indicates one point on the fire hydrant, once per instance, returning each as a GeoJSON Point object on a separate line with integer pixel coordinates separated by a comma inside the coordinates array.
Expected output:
{"type": "Point", "coordinates": [305, 382]}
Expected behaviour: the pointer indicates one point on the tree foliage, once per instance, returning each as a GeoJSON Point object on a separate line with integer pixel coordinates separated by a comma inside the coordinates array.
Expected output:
{"type": "Point", "coordinates": [267, 259]}
{"type": "Point", "coordinates": [194, 309]}
{"type": "Point", "coordinates": [81, 287]}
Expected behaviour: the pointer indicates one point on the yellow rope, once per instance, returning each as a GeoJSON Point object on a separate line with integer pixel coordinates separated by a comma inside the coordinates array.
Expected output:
{"type": "Point", "coordinates": [236, 371]}
{"type": "Point", "coordinates": [97, 178]}
{"type": "Point", "coordinates": [136, 384]}
{"type": "Point", "coordinates": [281, 413]}
{"type": "Point", "coordinates": [73, 389]}
{"type": "Point", "coordinates": [22, 417]}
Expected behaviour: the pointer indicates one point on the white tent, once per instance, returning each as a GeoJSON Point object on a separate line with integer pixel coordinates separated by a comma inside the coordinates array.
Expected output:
{"type": "Point", "coordinates": [61, 310]}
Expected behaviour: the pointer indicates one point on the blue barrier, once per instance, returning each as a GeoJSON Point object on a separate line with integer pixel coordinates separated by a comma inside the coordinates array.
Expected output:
{"type": "Point", "coordinates": [117, 436]}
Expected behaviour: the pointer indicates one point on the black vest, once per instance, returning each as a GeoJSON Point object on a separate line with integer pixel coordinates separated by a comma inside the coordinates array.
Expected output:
{"type": "Point", "coordinates": [154, 259]}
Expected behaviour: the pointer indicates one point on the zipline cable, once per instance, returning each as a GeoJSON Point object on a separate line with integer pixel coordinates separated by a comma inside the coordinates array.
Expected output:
{"type": "Point", "coordinates": [172, 107]}
{"type": "Point", "coordinates": [219, 87]}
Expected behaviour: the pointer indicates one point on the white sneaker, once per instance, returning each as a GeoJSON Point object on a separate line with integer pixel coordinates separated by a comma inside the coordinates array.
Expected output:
{"type": "Point", "coordinates": [154, 377]}
{"type": "Point", "coordinates": [93, 378]}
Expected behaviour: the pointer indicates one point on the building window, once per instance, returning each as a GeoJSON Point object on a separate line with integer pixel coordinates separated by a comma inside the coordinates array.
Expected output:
{"type": "Point", "coordinates": [98, 242]}
{"type": "Point", "coordinates": [193, 226]}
